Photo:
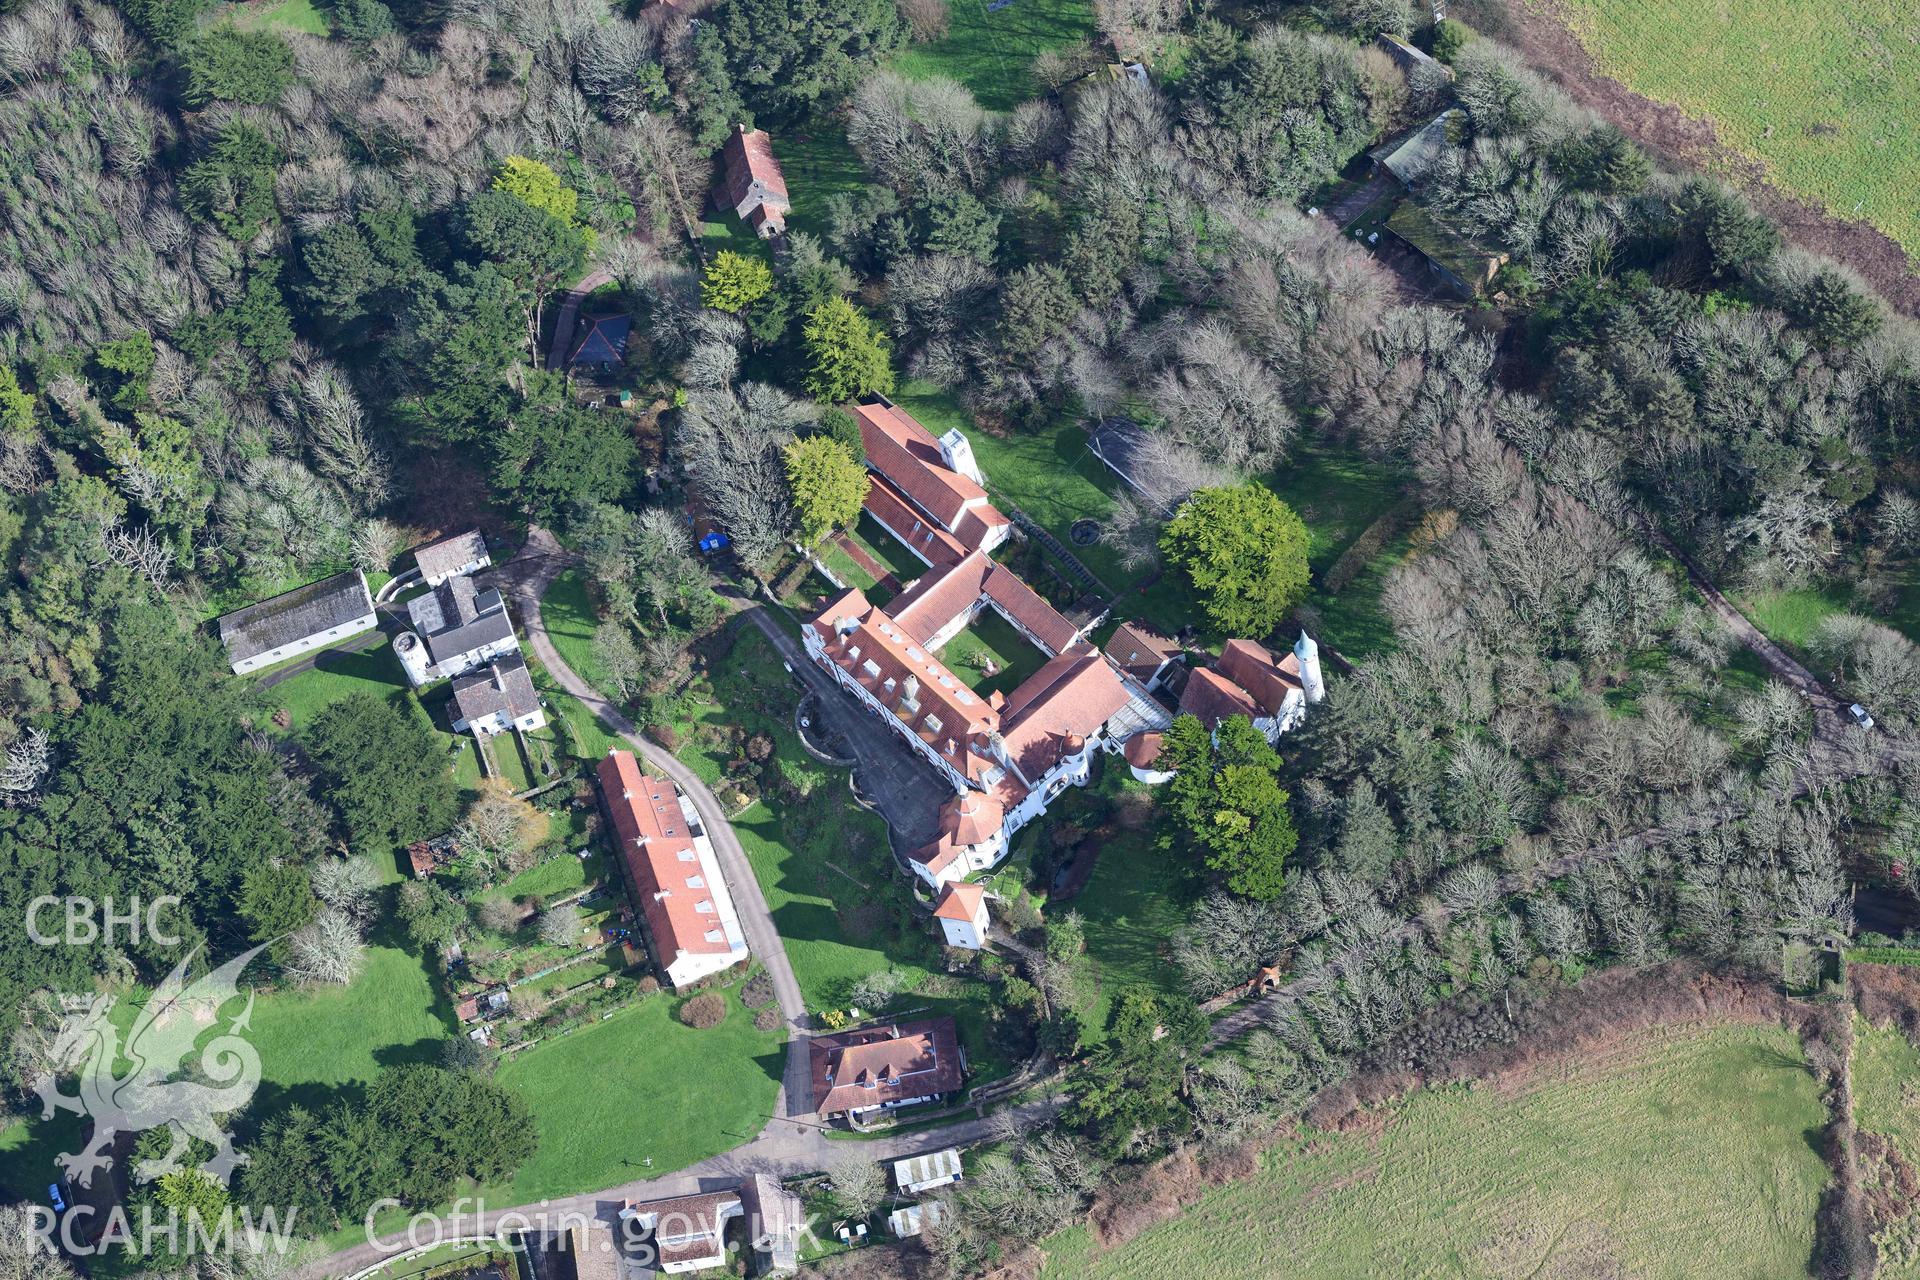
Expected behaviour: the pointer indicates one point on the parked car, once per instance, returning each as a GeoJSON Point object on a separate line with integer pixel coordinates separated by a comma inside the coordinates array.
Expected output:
{"type": "Point", "coordinates": [1860, 716]}
{"type": "Point", "coordinates": [57, 1200]}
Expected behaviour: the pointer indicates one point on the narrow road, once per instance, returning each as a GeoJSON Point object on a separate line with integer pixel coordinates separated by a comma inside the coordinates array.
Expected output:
{"type": "Point", "coordinates": [528, 578]}
{"type": "Point", "coordinates": [808, 1150]}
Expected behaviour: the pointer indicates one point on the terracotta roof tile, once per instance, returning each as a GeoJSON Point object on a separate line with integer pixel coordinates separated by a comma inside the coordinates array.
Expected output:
{"type": "Point", "coordinates": [907, 454]}
{"type": "Point", "coordinates": [961, 901]}
{"type": "Point", "coordinates": [748, 158]}
{"type": "Point", "coordinates": [1252, 667]}
{"type": "Point", "coordinates": [882, 658]}
{"type": "Point", "coordinates": [1139, 650]}
{"type": "Point", "coordinates": [653, 837]}
{"type": "Point", "coordinates": [1024, 605]}
{"type": "Point", "coordinates": [1143, 749]}
{"type": "Point", "coordinates": [891, 508]}
{"type": "Point", "coordinates": [1058, 707]}
{"type": "Point", "coordinates": [875, 1065]}
{"type": "Point", "coordinates": [1213, 698]}
{"type": "Point", "coordinates": [941, 595]}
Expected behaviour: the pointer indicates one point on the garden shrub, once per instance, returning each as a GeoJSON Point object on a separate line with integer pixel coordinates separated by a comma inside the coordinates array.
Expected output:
{"type": "Point", "coordinates": [708, 1009]}
{"type": "Point", "coordinates": [758, 993]}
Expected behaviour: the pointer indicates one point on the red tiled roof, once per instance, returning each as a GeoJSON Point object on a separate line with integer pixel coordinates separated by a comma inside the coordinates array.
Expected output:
{"type": "Point", "coordinates": [1250, 666]}
{"type": "Point", "coordinates": [1139, 650]}
{"type": "Point", "coordinates": [955, 721]}
{"type": "Point", "coordinates": [1058, 707]}
{"type": "Point", "coordinates": [875, 1065]}
{"type": "Point", "coordinates": [972, 818]}
{"type": "Point", "coordinates": [961, 901]}
{"type": "Point", "coordinates": [941, 595]}
{"type": "Point", "coordinates": [1212, 697]}
{"type": "Point", "coordinates": [1006, 589]}
{"type": "Point", "coordinates": [748, 157]}
{"type": "Point", "coordinates": [652, 837]}
{"type": "Point", "coordinates": [891, 508]}
{"type": "Point", "coordinates": [907, 454]}
{"type": "Point", "coordinates": [977, 523]}
{"type": "Point", "coordinates": [1143, 749]}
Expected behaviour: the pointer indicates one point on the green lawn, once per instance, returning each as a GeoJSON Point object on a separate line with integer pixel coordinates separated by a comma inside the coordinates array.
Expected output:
{"type": "Point", "coordinates": [991, 636]}
{"type": "Point", "coordinates": [847, 570]}
{"type": "Point", "coordinates": [1690, 1153]}
{"type": "Point", "coordinates": [1886, 1080]}
{"type": "Point", "coordinates": [1789, 618]}
{"type": "Point", "coordinates": [288, 15]}
{"type": "Point", "coordinates": [992, 52]}
{"type": "Point", "coordinates": [567, 609]}
{"type": "Point", "coordinates": [335, 674]}
{"type": "Point", "coordinates": [312, 1045]}
{"type": "Point", "coordinates": [1137, 898]}
{"type": "Point", "coordinates": [1820, 96]}
{"type": "Point", "coordinates": [1053, 476]}
{"type": "Point", "coordinates": [887, 549]}
{"type": "Point", "coordinates": [641, 1085]}
{"type": "Point", "coordinates": [817, 164]}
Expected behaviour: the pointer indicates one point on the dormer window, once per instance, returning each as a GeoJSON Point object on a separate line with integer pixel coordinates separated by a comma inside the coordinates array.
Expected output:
{"type": "Point", "coordinates": [872, 669]}
{"type": "Point", "coordinates": [933, 723]}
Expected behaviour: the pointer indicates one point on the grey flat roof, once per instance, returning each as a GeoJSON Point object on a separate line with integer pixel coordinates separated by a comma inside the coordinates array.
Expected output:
{"type": "Point", "coordinates": [504, 685]}
{"type": "Point", "coordinates": [294, 615]}
{"type": "Point", "coordinates": [440, 558]}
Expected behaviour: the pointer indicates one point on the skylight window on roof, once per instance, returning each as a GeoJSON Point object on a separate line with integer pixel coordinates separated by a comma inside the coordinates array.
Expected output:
{"type": "Point", "coordinates": [696, 882]}
{"type": "Point", "coordinates": [688, 855]}
{"type": "Point", "coordinates": [714, 935]}
{"type": "Point", "coordinates": [915, 655]}
{"type": "Point", "coordinates": [704, 906]}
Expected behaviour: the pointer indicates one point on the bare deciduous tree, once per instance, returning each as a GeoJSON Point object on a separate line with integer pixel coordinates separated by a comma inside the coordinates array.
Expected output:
{"type": "Point", "coordinates": [328, 950]}
{"type": "Point", "coordinates": [560, 926]}
{"type": "Point", "coordinates": [859, 1183]}
{"type": "Point", "coordinates": [25, 766]}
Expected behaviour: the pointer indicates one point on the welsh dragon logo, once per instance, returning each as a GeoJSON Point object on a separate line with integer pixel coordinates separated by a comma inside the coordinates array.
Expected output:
{"type": "Point", "coordinates": [162, 1084]}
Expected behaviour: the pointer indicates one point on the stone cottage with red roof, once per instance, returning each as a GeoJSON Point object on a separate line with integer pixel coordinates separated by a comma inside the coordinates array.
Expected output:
{"type": "Point", "coordinates": [751, 183]}
{"type": "Point", "coordinates": [1249, 681]}
{"type": "Point", "coordinates": [672, 874]}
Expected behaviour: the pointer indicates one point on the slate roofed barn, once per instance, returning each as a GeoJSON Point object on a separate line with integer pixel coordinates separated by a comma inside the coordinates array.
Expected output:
{"type": "Point", "coordinates": [604, 343]}
{"type": "Point", "coordinates": [453, 557]}
{"type": "Point", "coordinates": [751, 183]}
{"type": "Point", "coordinates": [892, 1065]}
{"type": "Point", "coordinates": [296, 622]}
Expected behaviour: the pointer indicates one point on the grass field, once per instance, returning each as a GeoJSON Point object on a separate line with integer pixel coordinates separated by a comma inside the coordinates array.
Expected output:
{"type": "Point", "coordinates": [1691, 1153]}
{"type": "Point", "coordinates": [1825, 94]}
{"type": "Point", "coordinates": [1053, 477]}
{"type": "Point", "coordinates": [618, 1092]}
{"type": "Point", "coordinates": [991, 50]}
{"type": "Point", "coordinates": [1886, 1080]}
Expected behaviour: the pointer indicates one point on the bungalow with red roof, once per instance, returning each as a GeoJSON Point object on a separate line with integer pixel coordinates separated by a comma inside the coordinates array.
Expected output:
{"type": "Point", "coordinates": [672, 873]}
{"type": "Point", "coordinates": [883, 1068]}
{"type": "Point", "coordinates": [751, 183]}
